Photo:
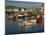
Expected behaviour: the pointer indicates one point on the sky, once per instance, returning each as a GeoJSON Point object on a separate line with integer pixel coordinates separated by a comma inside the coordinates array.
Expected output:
{"type": "Point", "coordinates": [23, 4]}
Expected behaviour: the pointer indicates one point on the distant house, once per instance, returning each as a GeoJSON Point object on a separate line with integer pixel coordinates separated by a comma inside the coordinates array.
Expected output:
{"type": "Point", "coordinates": [12, 10]}
{"type": "Point", "coordinates": [16, 10]}
{"type": "Point", "coordinates": [8, 10]}
{"type": "Point", "coordinates": [29, 9]}
{"type": "Point", "coordinates": [42, 9]}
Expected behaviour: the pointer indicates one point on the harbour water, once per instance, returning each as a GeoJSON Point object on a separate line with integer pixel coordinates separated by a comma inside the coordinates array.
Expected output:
{"type": "Point", "coordinates": [12, 27]}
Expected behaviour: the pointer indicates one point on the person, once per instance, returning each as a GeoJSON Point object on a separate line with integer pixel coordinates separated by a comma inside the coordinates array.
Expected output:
{"type": "Point", "coordinates": [39, 19]}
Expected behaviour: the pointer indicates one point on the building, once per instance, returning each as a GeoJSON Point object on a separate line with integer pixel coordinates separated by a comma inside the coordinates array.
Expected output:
{"type": "Point", "coordinates": [12, 10]}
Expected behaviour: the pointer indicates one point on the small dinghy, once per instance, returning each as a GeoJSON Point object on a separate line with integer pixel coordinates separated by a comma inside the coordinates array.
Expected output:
{"type": "Point", "coordinates": [12, 18]}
